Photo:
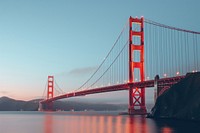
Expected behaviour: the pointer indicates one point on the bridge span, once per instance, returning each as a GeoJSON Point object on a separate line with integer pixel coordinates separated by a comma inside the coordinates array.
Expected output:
{"type": "Point", "coordinates": [167, 82]}
{"type": "Point", "coordinates": [143, 50]}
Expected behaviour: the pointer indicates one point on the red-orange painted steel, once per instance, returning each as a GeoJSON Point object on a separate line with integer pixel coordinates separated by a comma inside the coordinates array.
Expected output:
{"type": "Point", "coordinates": [50, 88]}
{"type": "Point", "coordinates": [136, 95]}
{"type": "Point", "coordinates": [50, 91]}
{"type": "Point", "coordinates": [144, 84]}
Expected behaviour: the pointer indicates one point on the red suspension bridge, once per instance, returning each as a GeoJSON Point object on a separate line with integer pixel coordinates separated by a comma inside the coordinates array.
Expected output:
{"type": "Point", "coordinates": [143, 50]}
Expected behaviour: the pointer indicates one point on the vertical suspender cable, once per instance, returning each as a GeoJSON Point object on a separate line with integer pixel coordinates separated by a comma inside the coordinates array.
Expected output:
{"type": "Point", "coordinates": [197, 57]}
{"type": "Point", "coordinates": [188, 52]}
{"type": "Point", "coordinates": [194, 52]}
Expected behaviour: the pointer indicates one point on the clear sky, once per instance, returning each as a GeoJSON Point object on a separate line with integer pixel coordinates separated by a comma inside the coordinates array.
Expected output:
{"type": "Point", "coordinates": [70, 38]}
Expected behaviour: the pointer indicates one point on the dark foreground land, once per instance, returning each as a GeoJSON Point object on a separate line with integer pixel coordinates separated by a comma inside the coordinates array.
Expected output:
{"type": "Point", "coordinates": [181, 101]}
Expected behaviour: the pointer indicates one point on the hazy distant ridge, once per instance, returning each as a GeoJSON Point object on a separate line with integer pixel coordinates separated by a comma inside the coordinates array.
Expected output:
{"type": "Point", "coordinates": [8, 104]}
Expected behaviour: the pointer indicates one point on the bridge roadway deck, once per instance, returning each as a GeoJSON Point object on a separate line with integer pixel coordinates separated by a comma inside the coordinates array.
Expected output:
{"type": "Point", "coordinates": [119, 87]}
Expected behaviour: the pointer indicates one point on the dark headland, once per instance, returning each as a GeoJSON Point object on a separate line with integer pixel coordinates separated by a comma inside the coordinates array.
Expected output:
{"type": "Point", "coordinates": [181, 101]}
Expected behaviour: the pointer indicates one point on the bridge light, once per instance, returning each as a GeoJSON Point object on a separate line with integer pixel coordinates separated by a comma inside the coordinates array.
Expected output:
{"type": "Point", "coordinates": [136, 79]}
{"type": "Point", "coordinates": [165, 75]}
{"type": "Point", "coordinates": [147, 77]}
{"type": "Point", "coordinates": [177, 73]}
{"type": "Point", "coordinates": [193, 71]}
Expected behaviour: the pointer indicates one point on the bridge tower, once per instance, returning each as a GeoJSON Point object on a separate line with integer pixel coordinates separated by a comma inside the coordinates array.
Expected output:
{"type": "Point", "coordinates": [136, 95]}
{"type": "Point", "coordinates": [50, 91]}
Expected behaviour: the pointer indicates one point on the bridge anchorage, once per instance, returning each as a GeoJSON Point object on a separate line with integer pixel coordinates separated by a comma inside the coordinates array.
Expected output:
{"type": "Point", "coordinates": [135, 59]}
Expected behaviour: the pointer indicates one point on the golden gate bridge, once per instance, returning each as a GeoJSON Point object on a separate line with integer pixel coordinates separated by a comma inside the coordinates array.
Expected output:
{"type": "Point", "coordinates": [146, 54]}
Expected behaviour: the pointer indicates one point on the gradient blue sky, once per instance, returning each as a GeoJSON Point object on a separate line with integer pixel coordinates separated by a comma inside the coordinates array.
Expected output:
{"type": "Point", "coordinates": [70, 38]}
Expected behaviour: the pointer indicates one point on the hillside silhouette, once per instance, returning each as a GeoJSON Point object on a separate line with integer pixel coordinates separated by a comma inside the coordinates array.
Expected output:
{"type": "Point", "coordinates": [181, 101]}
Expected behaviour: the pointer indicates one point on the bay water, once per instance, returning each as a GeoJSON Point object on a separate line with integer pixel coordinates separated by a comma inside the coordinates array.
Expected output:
{"type": "Point", "coordinates": [89, 122]}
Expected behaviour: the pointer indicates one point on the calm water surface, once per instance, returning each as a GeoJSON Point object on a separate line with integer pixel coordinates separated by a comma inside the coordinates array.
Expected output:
{"type": "Point", "coordinates": [89, 122]}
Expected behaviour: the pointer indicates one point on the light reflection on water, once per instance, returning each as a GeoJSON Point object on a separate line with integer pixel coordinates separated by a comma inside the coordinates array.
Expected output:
{"type": "Point", "coordinates": [97, 124]}
{"type": "Point", "coordinates": [87, 122]}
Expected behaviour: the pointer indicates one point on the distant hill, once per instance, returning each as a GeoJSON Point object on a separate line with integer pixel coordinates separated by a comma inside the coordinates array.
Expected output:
{"type": "Point", "coordinates": [80, 106]}
{"type": "Point", "coordinates": [8, 104]}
